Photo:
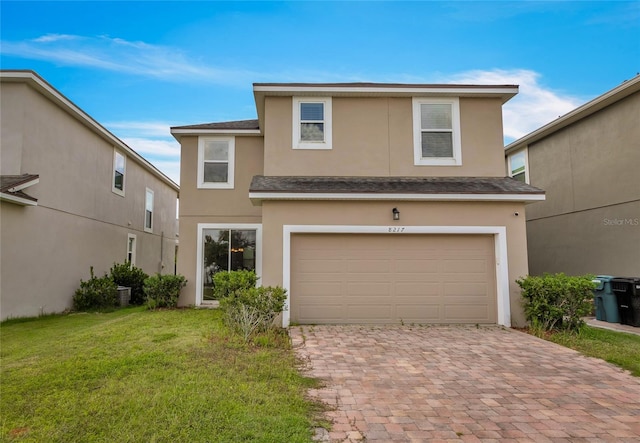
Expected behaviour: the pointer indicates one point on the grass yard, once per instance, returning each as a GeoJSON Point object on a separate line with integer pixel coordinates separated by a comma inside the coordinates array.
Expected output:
{"type": "Point", "coordinates": [618, 348]}
{"type": "Point", "coordinates": [148, 376]}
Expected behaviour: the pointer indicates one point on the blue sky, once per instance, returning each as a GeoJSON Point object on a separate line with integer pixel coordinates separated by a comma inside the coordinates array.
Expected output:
{"type": "Point", "coordinates": [141, 67]}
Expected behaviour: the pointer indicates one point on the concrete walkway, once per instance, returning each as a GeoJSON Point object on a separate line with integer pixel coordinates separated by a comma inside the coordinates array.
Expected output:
{"type": "Point", "coordinates": [456, 383]}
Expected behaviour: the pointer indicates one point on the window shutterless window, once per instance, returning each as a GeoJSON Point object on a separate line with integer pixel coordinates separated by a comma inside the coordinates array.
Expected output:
{"type": "Point", "coordinates": [518, 166]}
{"type": "Point", "coordinates": [148, 211]}
{"type": "Point", "coordinates": [119, 171]}
{"type": "Point", "coordinates": [436, 131]}
{"type": "Point", "coordinates": [131, 248]}
{"type": "Point", "coordinates": [216, 161]}
{"type": "Point", "coordinates": [312, 123]}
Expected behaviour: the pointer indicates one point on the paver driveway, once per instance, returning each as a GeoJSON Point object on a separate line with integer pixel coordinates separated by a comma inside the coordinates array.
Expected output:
{"type": "Point", "coordinates": [421, 383]}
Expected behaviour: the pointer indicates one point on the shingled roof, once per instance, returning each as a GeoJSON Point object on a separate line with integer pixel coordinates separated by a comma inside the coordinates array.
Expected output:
{"type": "Point", "coordinates": [232, 125]}
{"type": "Point", "coordinates": [392, 185]}
{"type": "Point", "coordinates": [11, 187]}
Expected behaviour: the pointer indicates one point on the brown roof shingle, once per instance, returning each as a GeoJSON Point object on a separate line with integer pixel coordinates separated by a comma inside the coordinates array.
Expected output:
{"type": "Point", "coordinates": [233, 125]}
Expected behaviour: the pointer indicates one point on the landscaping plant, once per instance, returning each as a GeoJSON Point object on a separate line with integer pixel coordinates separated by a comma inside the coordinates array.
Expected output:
{"type": "Point", "coordinates": [162, 291]}
{"type": "Point", "coordinates": [555, 302]}
{"type": "Point", "coordinates": [248, 310]}
{"type": "Point", "coordinates": [96, 293]}
{"type": "Point", "coordinates": [126, 274]}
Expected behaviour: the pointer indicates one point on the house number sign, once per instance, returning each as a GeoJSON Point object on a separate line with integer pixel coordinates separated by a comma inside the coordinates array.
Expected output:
{"type": "Point", "coordinates": [396, 229]}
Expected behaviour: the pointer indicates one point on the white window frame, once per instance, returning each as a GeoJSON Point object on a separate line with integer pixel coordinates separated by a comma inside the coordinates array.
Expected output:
{"type": "Point", "coordinates": [229, 184]}
{"type": "Point", "coordinates": [115, 190]}
{"type": "Point", "coordinates": [132, 252]}
{"type": "Point", "coordinates": [526, 164]}
{"type": "Point", "coordinates": [200, 250]}
{"type": "Point", "coordinates": [299, 144]}
{"type": "Point", "coordinates": [418, 160]}
{"type": "Point", "coordinates": [146, 203]}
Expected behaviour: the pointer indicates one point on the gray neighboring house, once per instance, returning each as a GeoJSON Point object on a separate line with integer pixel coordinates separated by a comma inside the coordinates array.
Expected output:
{"type": "Point", "coordinates": [72, 196]}
{"type": "Point", "coordinates": [588, 162]}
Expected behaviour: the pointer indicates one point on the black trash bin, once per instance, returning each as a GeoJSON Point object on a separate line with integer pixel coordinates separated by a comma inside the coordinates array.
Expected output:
{"type": "Point", "coordinates": [627, 290]}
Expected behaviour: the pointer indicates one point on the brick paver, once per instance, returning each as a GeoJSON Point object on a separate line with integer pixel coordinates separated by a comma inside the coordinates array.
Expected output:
{"type": "Point", "coordinates": [458, 383]}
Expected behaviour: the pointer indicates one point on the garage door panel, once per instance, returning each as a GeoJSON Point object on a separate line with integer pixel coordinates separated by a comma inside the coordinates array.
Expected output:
{"type": "Point", "coordinates": [360, 265]}
{"type": "Point", "coordinates": [417, 266]}
{"type": "Point", "coordinates": [370, 313]}
{"type": "Point", "coordinates": [369, 289]}
{"type": "Point", "coordinates": [363, 278]}
{"type": "Point", "coordinates": [418, 313]}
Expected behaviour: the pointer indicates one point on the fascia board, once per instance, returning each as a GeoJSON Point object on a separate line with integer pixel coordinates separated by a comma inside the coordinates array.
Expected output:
{"type": "Point", "coordinates": [258, 196]}
{"type": "Point", "coordinates": [18, 200]}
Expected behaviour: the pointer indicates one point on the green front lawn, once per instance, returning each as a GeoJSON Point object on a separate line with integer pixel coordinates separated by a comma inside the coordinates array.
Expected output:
{"type": "Point", "coordinates": [618, 348]}
{"type": "Point", "coordinates": [148, 376]}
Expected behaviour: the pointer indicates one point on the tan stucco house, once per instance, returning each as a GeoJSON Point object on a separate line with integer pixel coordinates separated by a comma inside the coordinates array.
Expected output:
{"type": "Point", "coordinates": [588, 162]}
{"type": "Point", "coordinates": [368, 202]}
{"type": "Point", "coordinates": [73, 196]}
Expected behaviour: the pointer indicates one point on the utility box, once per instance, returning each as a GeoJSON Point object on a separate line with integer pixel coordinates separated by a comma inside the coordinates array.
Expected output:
{"type": "Point", "coordinates": [605, 300]}
{"type": "Point", "coordinates": [627, 290]}
{"type": "Point", "coordinates": [124, 295]}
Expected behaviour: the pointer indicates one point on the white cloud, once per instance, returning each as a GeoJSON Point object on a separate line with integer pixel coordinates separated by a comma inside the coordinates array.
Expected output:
{"type": "Point", "coordinates": [156, 148]}
{"type": "Point", "coordinates": [140, 128]}
{"type": "Point", "coordinates": [534, 106]}
{"type": "Point", "coordinates": [171, 168]}
{"type": "Point", "coordinates": [116, 54]}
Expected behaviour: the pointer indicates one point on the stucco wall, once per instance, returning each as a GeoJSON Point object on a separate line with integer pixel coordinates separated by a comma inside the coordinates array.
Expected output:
{"type": "Point", "coordinates": [590, 220]}
{"type": "Point", "coordinates": [374, 137]}
{"type": "Point", "coordinates": [79, 221]}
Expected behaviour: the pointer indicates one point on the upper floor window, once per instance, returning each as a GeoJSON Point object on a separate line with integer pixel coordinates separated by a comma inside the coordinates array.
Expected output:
{"type": "Point", "coordinates": [436, 131]}
{"type": "Point", "coordinates": [216, 162]}
{"type": "Point", "coordinates": [517, 164]}
{"type": "Point", "coordinates": [148, 211]}
{"type": "Point", "coordinates": [119, 170]}
{"type": "Point", "coordinates": [312, 123]}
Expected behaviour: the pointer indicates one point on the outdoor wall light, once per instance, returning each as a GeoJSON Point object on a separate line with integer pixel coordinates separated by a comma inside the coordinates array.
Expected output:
{"type": "Point", "coordinates": [396, 214]}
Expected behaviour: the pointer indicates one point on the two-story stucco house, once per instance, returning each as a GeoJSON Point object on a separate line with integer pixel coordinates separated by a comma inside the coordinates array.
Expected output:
{"type": "Point", "coordinates": [73, 196]}
{"type": "Point", "coordinates": [587, 161]}
{"type": "Point", "coordinates": [369, 203]}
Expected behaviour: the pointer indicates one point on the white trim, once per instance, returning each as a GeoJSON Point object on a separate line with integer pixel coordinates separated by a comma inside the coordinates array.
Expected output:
{"type": "Point", "coordinates": [135, 247]}
{"type": "Point", "coordinates": [499, 233]}
{"type": "Point", "coordinates": [299, 144]}
{"type": "Point", "coordinates": [115, 190]}
{"type": "Point", "coordinates": [418, 159]}
{"type": "Point", "coordinates": [231, 164]}
{"type": "Point", "coordinates": [24, 185]}
{"type": "Point", "coordinates": [244, 132]}
{"type": "Point", "coordinates": [146, 195]}
{"type": "Point", "coordinates": [18, 200]}
{"type": "Point", "coordinates": [200, 252]}
{"type": "Point", "coordinates": [526, 163]}
{"type": "Point", "coordinates": [405, 197]}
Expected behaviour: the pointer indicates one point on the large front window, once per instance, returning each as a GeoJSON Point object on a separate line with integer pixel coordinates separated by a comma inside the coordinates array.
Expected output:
{"type": "Point", "coordinates": [226, 250]}
{"type": "Point", "coordinates": [436, 132]}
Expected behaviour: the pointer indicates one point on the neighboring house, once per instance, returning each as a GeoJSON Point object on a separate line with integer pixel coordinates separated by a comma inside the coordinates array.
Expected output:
{"type": "Point", "coordinates": [369, 203]}
{"type": "Point", "coordinates": [73, 196]}
{"type": "Point", "coordinates": [588, 162]}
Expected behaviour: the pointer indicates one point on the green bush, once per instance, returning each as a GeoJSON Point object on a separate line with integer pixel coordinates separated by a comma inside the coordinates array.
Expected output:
{"type": "Point", "coordinates": [226, 283]}
{"type": "Point", "coordinates": [96, 293]}
{"type": "Point", "coordinates": [557, 301]}
{"type": "Point", "coordinates": [126, 274]}
{"type": "Point", "coordinates": [162, 291]}
{"type": "Point", "coordinates": [253, 310]}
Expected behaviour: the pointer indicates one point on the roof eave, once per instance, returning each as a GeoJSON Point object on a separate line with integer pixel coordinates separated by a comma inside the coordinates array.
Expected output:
{"type": "Point", "coordinates": [179, 133]}
{"type": "Point", "coordinates": [257, 197]}
{"type": "Point", "coordinates": [622, 91]}
{"type": "Point", "coordinates": [4, 196]}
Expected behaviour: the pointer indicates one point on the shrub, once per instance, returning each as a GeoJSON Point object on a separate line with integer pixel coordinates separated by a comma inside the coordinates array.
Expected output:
{"type": "Point", "coordinates": [253, 310]}
{"type": "Point", "coordinates": [557, 302]}
{"type": "Point", "coordinates": [226, 283]}
{"type": "Point", "coordinates": [162, 291]}
{"type": "Point", "coordinates": [126, 274]}
{"type": "Point", "coordinates": [96, 293]}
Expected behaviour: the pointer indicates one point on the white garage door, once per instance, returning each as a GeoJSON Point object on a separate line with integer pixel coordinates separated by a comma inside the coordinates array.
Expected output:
{"type": "Point", "coordinates": [360, 278]}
